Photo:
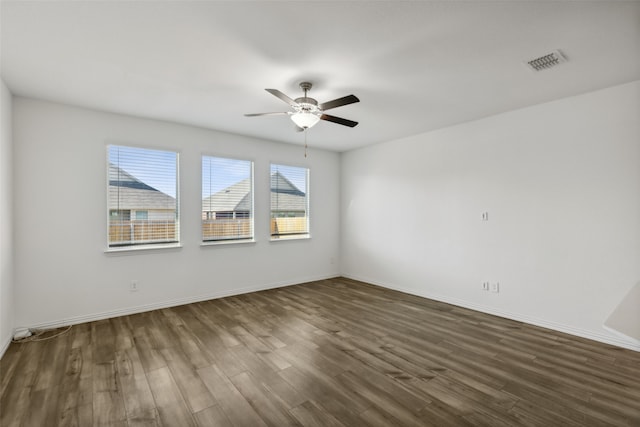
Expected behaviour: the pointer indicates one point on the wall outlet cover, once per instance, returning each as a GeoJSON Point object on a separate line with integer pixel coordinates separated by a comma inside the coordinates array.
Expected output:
{"type": "Point", "coordinates": [21, 333]}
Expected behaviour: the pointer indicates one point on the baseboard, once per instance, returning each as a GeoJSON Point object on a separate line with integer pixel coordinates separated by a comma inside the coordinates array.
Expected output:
{"type": "Point", "coordinates": [604, 338]}
{"type": "Point", "coordinates": [168, 303]}
{"type": "Point", "coordinates": [620, 334]}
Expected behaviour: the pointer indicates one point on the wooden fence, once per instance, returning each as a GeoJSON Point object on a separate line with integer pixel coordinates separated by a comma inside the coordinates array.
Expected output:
{"type": "Point", "coordinates": [141, 231]}
{"type": "Point", "coordinates": [148, 231]}
{"type": "Point", "coordinates": [226, 229]}
{"type": "Point", "coordinates": [283, 226]}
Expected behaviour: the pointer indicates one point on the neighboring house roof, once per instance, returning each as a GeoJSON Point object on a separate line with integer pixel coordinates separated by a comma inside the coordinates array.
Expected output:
{"type": "Point", "coordinates": [233, 198]}
{"type": "Point", "coordinates": [284, 196]}
{"type": "Point", "coordinates": [126, 192]}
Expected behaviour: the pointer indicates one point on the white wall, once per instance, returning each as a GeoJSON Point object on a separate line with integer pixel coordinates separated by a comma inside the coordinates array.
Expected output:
{"type": "Point", "coordinates": [62, 272]}
{"type": "Point", "coordinates": [6, 219]}
{"type": "Point", "coordinates": [561, 184]}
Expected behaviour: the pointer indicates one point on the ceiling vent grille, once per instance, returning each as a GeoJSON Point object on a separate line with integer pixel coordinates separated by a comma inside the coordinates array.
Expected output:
{"type": "Point", "coordinates": [546, 61]}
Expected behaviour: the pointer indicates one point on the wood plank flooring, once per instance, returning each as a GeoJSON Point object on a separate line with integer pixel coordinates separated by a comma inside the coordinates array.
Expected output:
{"type": "Point", "coordinates": [328, 353]}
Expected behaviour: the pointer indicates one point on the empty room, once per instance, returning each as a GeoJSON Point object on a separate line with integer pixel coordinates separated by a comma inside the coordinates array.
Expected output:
{"type": "Point", "coordinates": [319, 213]}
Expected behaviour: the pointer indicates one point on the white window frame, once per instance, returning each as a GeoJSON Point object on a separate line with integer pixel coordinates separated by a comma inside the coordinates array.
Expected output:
{"type": "Point", "coordinates": [230, 241]}
{"type": "Point", "coordinates": [306, 190]}
{"type": "Point", "coordinates": [146, 245]}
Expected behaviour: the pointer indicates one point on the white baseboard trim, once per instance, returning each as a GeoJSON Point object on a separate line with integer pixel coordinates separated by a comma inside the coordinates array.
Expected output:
{"type": "Point", "coordinates": [621, 335]}
{"type": "Point", "coordinates": [604, 338]}
{"type": "Point", "coordinates": [168, 303]}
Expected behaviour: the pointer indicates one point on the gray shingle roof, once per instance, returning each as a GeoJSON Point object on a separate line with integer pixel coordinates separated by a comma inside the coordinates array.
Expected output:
{"type": "Point", "coordinates": [233, 198]}
{"type": "Point", "coordinates": [280, 184]}
{"type": "Point", "coordinates": [284, 197]}
{"type": "Point", "coordinates": [126, 192]}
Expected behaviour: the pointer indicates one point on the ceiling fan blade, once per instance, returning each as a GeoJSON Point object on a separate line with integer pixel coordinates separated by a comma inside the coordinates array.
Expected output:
{"type": "Point", "coordinates": [265, 114]}
{"type": "Point", "coordinates": [345, 100]}
{"type": "Point", "coordinates": [338, 120]}
{"type": "Point", "coordinates": [285, 98]}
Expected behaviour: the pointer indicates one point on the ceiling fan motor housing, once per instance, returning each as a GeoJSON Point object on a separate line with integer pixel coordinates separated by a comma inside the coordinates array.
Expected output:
{"type": "Point", "coordinates": [307, 105]}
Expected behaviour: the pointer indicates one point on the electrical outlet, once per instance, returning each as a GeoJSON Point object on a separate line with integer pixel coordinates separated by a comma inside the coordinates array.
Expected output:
{"type": "Point", "coordinates": [133, 287]}
{"type": "Point", "coordinates": [485, 286]}
{"type": "Point", "coordinates": [21, 333]}
{"type": "Point", "coordinates": [495, 287]}
{"type": "Point", "coordinates": [485, 216]}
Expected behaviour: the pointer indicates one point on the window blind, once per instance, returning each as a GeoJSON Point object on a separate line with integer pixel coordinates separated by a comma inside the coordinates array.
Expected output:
{"type": "Point", "coordinates": [227, 199]}
{"type": "Point", "coordinates": [142, 196]}
{"type": "Point", "coordinates": [289, 201]}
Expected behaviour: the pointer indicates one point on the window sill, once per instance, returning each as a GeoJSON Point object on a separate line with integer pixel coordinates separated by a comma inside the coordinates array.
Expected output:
{"type": "Point", "coordinates": [142, 248]}
{"type": "Point", "coordinates": [227, 242]}
{"type": "Point", "coordinates": [291, 237]}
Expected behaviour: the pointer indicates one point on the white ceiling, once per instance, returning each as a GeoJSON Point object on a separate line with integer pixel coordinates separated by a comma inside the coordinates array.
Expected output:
{"type": "Point", "coordinates": [415, 65]}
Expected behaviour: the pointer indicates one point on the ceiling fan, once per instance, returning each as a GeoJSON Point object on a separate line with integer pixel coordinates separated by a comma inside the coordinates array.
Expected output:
{"type": "Point", "coordinates": [307, 112]}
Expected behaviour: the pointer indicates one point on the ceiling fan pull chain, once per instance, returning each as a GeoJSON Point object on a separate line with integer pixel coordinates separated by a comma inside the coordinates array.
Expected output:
{"type": "Point", "coordinates": [305, 143]}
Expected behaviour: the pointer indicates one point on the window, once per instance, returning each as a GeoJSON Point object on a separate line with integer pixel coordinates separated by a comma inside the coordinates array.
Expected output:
{"type": "Point", "coordinates": [142, 215]}
{"type": "Point", "coordinates": [122, 214]}
{"type": "Point", "coordinates": [227, 199]}
{"type": "Point", "coordinates": [142, 197]}
{"type": "Point", "coordinates": [289, 202]}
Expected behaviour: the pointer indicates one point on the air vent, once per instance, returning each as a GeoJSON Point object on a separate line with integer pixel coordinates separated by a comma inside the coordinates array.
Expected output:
{"type": "Point", "coordinates": [546, 61]}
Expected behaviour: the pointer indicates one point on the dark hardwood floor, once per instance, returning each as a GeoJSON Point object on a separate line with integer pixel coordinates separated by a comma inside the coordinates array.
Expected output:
{"type": "Point", "coordinates": [328, 353]}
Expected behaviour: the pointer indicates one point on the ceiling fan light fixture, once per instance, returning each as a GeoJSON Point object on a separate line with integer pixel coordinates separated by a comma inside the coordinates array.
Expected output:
{"type": "Point", "coordinates": [305, 120]}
